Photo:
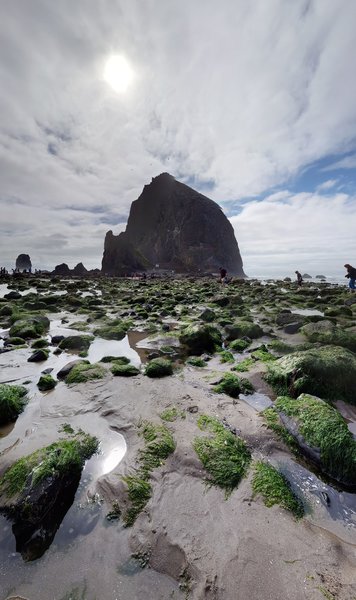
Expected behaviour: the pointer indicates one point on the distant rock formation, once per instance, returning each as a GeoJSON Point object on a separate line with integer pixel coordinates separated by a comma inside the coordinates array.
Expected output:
{"type": "Point", "coordinates": [62, 270]}
{"type": "Point", "coordinates": [23, 262]}
{"type": "Point", "coordinates": [173, 227]}
{"type": "Point", "coordinates": [80, 270]}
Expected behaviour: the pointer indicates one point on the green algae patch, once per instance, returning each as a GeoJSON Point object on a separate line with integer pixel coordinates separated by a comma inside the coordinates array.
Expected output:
{"type": "Point", "coordinates": [239, 345]}
{"type": "Point", "coordinates": [275, 489]}
{"type": "Point", "coordinates": [14, 341]}
{"type": "Point", "coordinates": [226, 357]}
{"type": "Point", "coordinates": [262, 354]}
{"type": "Point", "coordinates": [119, 360]}
{"type": "Point", "coordinates": [172, 414]}
{"type": "Point", "coordinates": [241, 329]}
{"type": "Point", "coordinates": [327, 333]}
{"type": "Point", "coordinates": [159, 444]}
{"type": "Point", "coordinates": [233, 386]}
{"type": "Point", "coordinates": [320, 426]}
{"type": "Point", "coordinates": [159, 367]}
{"type": "Point", "coordinates": [12, 402]}
{"type": "Point", "coordinates": [244, 365]}
{"type": "Point", "coordinates": [41, 343]}
{"type": "Point", "coordinates": [58, 459]}
{"type": "Point", "coordinates": [328, 372]}
{"type": "Point", "coordinates": [46, 382]}
{"type": "Point", "coordinates": [83, 372]}
{"type": "Point", "coordinates": [139, 493]}
{"type": "Point", "coordinates": [273, 422]}
{"type": "Point", "coordinates": [124, 370]}
{"type": "Point", "coordinates": [199, 338]}
{"type": "Point", "coordinates": [224, 455]}
{"type": "Point", "coordinates": [76, 343]}
{"type": "Point", "coordinates": [195, 361]}
{"type": "Point", "coordinates": [111, 332]}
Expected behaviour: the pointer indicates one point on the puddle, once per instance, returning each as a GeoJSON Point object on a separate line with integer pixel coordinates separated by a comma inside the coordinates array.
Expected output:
{"type": "Point", "coordinates": [307, 312]}
{"type": "Point", "coordinates": [257, 400]}
{"type": "Point", "coordinates": [78, 511]}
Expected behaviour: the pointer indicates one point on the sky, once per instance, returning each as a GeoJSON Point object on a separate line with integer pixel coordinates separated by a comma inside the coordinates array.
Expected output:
{"type": "Point", "coordinates": [251, 103]}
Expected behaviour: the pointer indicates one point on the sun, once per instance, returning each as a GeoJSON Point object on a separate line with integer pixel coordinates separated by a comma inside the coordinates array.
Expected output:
{"type": "Point", "coordinates": [118, 73]}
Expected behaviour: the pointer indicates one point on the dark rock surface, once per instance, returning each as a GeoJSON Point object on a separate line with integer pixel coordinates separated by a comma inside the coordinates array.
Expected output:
{"type": "Point", "coordinates": [175, 227]}
{"type": "Point", "coordinates": [23, 262]}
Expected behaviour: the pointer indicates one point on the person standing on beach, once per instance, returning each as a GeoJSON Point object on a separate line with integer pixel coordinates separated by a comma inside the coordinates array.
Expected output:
{"type": "Point", "coordinates": [299, 278]}
{"type": "Point", "coordinates": [223, 274]}
{"type": "Point", "coordinates": [351, 275]}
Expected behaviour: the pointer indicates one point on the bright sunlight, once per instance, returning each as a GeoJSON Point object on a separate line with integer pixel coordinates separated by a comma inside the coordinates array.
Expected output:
{"type": "Point", "coordinates": [118, 73]}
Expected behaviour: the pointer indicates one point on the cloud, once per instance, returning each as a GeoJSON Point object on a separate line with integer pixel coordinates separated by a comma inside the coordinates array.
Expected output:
{"type": "Point", "coordinates": [349, 162]}
{"type": "Point", "coordinates": [326, 185]}
{"type": "Point", "coordinates": [308, 232]}
{"type": "Point", "coordinates": [230, 96]}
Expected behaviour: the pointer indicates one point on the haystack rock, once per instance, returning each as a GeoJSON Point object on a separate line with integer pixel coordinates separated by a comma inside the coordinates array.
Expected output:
{"type": "Point", "coordinates": [173, 227]}
{"type": "Point", "coordinates": [23, 262]}
{"type": "Point", "coordinates": [62, 270]}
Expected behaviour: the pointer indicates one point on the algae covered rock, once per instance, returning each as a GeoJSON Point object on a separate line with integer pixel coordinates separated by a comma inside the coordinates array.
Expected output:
{"type": "Point", "coordinates": [114, 331]}
{"type": "Point", "coordinates": [328, 372]}
{"type": "Point", "coordinates": [12, 402]}
{"type": "Point", "coordinates": [233, 386]}
{"type": "Point", "coordinates": [29, 327]}
{"type": "Point", "coordinates": [200, 338]}
{"type": "Point", "coordinates": [76, 343]}
{"type": "Point", "coordinates": [125, 370]}
{"type": "Point", "coordinates": [159, 367]}
{"type": "Point", "coordinates": [328, 333]}
{"type": "Point", "coordinates": [241, 329]}
{"type": "Point", "coordinates": [46, 382]}
{"type": "Point", "coordinates": [37, 491]}
{"type": "Point", "coordinates": [38, 355]}
{"type": "Point", "coordinates": [322, 434]}
{"type": "Point", "coordinates": [84, 371]}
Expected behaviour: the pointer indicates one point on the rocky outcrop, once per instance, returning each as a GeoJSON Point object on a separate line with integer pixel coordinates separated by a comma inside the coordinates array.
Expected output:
{"type": "Point", "coordinates": [173, 226]}
{"type": "Point", "coordinates": [80, 270]}
{"type": "Point", "coordinates": [23, 262]}
{"type": "Point", "coordinates": [62, 270]}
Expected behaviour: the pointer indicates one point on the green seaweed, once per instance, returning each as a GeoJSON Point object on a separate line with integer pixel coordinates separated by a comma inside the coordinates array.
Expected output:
{"type": "Point", "coordinates": [233, 386]}
{"type": "Point", "coordinates": [83, 372]}
{"type": "Point", "coordinates": [224, 455]}
{"type": "Point", "coordinates": [12, 402]}
{"type": "Point", "coordinates": [159, 367]}
{"type": "Point", "coordinates": [275, 489]}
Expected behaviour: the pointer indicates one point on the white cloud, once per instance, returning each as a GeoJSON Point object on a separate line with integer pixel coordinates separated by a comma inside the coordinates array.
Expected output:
{"type": "Point", "coordinates": [349, 162]}
{"type": "Point", "coordinates": [243, 94]}
{"type": "Point", "coordinates": [326, 185]}
{"type": "Point", "coordinates": [308, 232]}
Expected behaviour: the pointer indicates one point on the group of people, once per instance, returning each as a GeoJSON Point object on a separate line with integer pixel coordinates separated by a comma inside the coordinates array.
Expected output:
{"type": "Point", "coordinates": [3, 271]}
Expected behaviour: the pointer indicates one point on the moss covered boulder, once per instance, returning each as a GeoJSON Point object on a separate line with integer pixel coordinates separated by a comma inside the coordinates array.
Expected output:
{"type": "Point", "coordinates": [328, 372]}
{"type": "Point", "coordinates": [76, 343]}
{"type": "Point", "coordinates": [37, 491]}
{"type": "Point", "coordinates": [29, 327]}
{"type": "Point", "coordinates": [159, 367]}
{"type": "Point", "coordinates": [200, 338]}
{"type": "Point", "coordinates": [327, 333]}
{"type": "Point", "coordinates": [321, 434]}
{"type": "Point", "coordinates": [46, 382]}
{"type": "Point", "coordinates": [112, 331]}
{"type": "Point", "coordinates": [124, 370]}
{"type": "Point", "coordinates": [84, 371]}
{"type": "Point", "coordinates": [12, 402]}
{"type": "Point", "coordinates": [233, 386]}
{"type": "Point", "coordinates": [241, 329]}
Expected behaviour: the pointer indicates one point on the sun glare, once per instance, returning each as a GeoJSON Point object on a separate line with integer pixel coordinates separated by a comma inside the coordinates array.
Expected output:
{"type": "Point", "coordinates": [118, 73]}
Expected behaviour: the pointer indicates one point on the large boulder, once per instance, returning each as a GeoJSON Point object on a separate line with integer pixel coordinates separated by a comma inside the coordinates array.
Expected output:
{"type": "Point", "coordinates": [241, 329]}
{"type": "Point", "coordinates": [30, 327]}
{"type": "Point", "coordinates": [62, 270]}
{"type": "Point", "coordinates": [37, 491]}
{"type": "Point", "coordinates": [326, 332]}
{"type": "Point", "coordinates": [199, 338]}
{"type": "Point", "coordinates": [23, 262]}
{"type": "Point", "coordinates": [175, 227]}
{"type": "Point", "coordinates": [328, 372]}
{"type": "Point", "coordinates": [321, 434]}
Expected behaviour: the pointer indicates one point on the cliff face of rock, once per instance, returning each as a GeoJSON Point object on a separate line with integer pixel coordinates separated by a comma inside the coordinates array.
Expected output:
{"type": "Point", "coordinates": [175, 227]}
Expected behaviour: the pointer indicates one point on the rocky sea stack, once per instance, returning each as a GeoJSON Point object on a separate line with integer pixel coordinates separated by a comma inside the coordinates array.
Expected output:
{"type": "Point", "coordinates": [175, 227]}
